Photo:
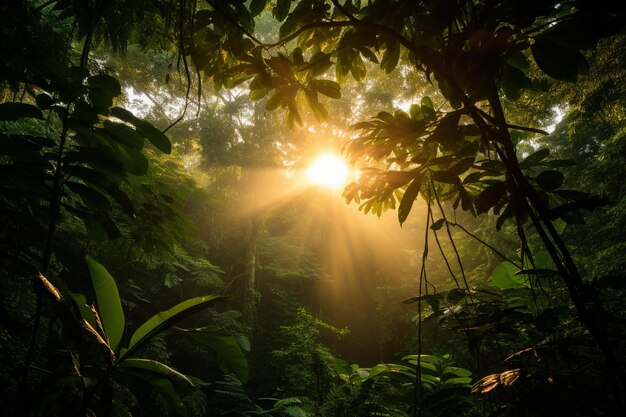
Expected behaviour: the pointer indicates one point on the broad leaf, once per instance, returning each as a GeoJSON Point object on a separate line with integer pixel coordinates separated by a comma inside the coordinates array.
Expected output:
{"type": "Point", "coordinates": [550, 180]}
{"type": "Point", "coordinates": [327, 87]}
{"type": "Point", "coordinates": [15, 111]}
{"type": "Point", "coordinates": [109, 303]}
{"type": "Point", "coordinates": [154, 135]}
{"type": "Point", "coordinates": [409, 197]}
{"type": "Point", "coordinates": [504, 276]}
{"type": "Point", "coordinates": [147, 365]}
{"type": "Point", "coordinates": [166, 319]}
{"type": "Point", "coordinates": [558, 61]}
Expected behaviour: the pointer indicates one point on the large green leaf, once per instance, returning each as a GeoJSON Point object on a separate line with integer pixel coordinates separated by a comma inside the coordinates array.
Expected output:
{"type": "Point", "coordinates": [166, 319]}
{"type": "Point", "coordinates": [504, 276]}
{"type": "Point", "coordinates": [178, 379]}
{"type": "Point", "coordinates": [154, 135]}
{"type": "Point", "coordinates": [109, 303]}
{"type": "Point", "coordinates": [230, 356]}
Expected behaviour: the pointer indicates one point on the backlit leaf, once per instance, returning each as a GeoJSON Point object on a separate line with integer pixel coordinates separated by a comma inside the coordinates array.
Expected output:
{"type": "Point", "coordinates": [109, 303]}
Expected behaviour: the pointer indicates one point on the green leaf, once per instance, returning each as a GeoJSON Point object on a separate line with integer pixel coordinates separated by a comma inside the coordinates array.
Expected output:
{"type": "Point", "coordinates": [124, 134]}
{"type": "Point", "coordinates": [427, 107]}
{"type": "Point", "coordinates": [534, 158]}
{"type": "Point", "coordinates": [438, 224]}
{"type": "Point", "coordinates": [445, 177]}
{"type": "Point", "coordinates": [178, 379]}
{"type": "Point", "coordinates": [504, 276]}
{"type": "Point", "coordinates": [550, 180]}
{"type": "Point", "coordinates": [109, 303]}
{"type": "Point", "coordinates": [15, 111]}
{"type": "Point", "coordinates": [230, 355]}
{"type": "Point", "coordinates": [409, 197]}
{"type": "Point", "coordinates": [101, 160]}
{"type": "Point", "coordinates": [101, 182]}
{"type": "Point", "coordinates": [319, 111]}
{"type": "Point", "coordinates": [92, 198]}
{"type": "Point", "coordinates": [458, 381]}
{"type": "Point", "coordinates": [281, 65]}
{"type": "Point", "coordinates": [154, 135]}
{"type": "Point", "coordinates": [490, 196]}
{"type": "Point", "coordinates": [133, 160]}
{"type": "Point", "coordinates": [166, 319]}
{"type": "Point", "coordinates": [357, 67]}
{"type": "Point", "coordinates": [391, 56]}
{"type": "Point", "coordinates": [513, 80]}
{"type": "Point", "coordinates": [102, 89]}
{"type": "Point", "coordinates": [565, 209]}
{"type": "Point", "coordinates": [416, 112]}
{"type": "Point", "coordinates": [327, 87]}
{"type": "Point", "coordinates": [461, 372]}
{"type": "Point", "coordinates": [119, 410]}
{"type": "Point", "coordinates": [281, 10]}
{"type": "Point", "coordinates": [256, 7]}
{"type": "Point", "coordinates": [164, 388]}
{"type": "Point", "coordinates": [559, 62]}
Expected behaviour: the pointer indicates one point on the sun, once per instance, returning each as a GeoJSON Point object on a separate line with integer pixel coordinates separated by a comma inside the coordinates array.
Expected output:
{"type": "Point", "coordinates": [329, 171]}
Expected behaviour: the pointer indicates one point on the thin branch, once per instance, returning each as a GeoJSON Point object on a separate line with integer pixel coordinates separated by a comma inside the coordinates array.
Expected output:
{"type": "Point", "coordinates": [496, 251]}
{"type": "Point", "coordinates": [514, 127]}
{"type": "Point", "coordinates": [456, 251]}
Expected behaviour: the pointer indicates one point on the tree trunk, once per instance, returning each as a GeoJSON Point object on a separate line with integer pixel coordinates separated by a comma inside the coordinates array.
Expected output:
{"type": "Point", "coordinates": [250, 297]}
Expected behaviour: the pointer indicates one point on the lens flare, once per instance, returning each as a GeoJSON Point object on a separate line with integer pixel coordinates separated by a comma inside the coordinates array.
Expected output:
{"type": "Point", "coordinates": [328, 171]}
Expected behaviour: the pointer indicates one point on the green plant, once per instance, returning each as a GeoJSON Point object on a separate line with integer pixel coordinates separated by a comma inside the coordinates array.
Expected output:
{"type": "Point", "coordinates": [390, 389]}
{"type": "Point", "coordinates": [106, 324]}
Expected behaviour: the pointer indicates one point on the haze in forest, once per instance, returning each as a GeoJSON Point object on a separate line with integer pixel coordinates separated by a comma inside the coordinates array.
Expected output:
{"type": "Point", "coordinates": [312, 208]}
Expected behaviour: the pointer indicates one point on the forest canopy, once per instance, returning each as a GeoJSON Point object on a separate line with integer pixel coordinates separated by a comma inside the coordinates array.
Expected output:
{"type": "Point", "coordinates": [312, 208]}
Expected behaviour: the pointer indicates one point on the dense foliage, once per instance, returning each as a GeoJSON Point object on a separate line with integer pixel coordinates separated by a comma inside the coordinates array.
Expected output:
{"type": "Point", "coordinates": [159, 257]}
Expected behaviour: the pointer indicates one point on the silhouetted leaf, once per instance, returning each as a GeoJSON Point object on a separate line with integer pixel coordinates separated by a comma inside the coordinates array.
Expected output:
{"type": "Point", "coordinates": [438, 224]}
{"type": "Point", "coordinates": [445, 177]}
{"type": "Point", "coordinates": [534, 158]}
{"type": "Point", "coordinates": [558, 61]}
{"type": "Point", "coordinates": [15, 111]}
{"type": "Point", "coordinates": [409, 197]}
{"type": "Point", "coordinates": [155, 136]}
{"type": "Point", "coordinates": [550, 180]}
{"type": "Point", "coordinates": [390, 56]}
{"type": "Point", "coordinates": [256, 7]}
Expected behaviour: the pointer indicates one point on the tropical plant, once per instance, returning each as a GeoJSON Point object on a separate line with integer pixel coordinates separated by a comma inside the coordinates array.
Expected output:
{"type": "Point", "coordinates": [390, 389]}
{"type": "Point", "coordinates": [106, 324]}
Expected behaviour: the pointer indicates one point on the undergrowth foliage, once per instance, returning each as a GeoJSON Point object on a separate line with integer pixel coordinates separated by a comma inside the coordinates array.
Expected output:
{"type": "Point", "coordinates": [533, 327]}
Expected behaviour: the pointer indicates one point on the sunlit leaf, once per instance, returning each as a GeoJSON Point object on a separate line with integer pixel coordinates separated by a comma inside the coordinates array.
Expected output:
{"type": "Point", "coordinates": [109, 303]}
{"type": "Point", "coordinates": [165, 319]}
